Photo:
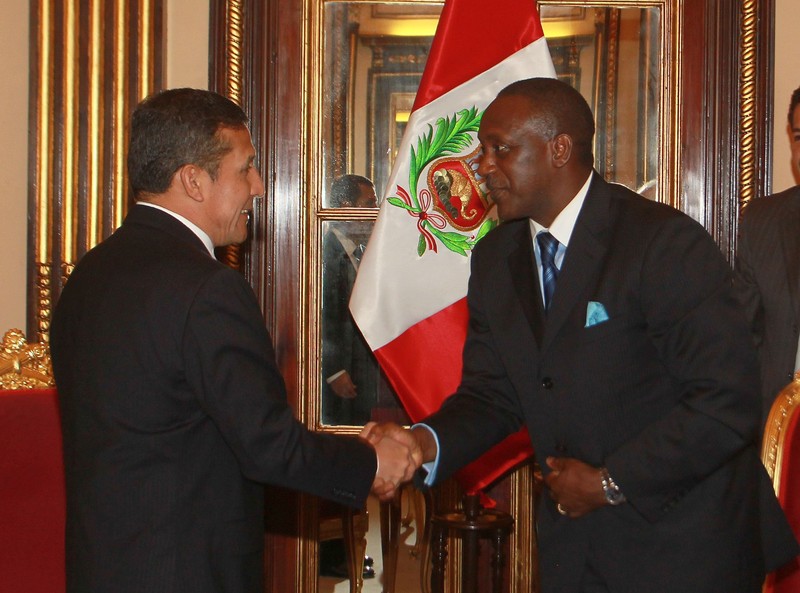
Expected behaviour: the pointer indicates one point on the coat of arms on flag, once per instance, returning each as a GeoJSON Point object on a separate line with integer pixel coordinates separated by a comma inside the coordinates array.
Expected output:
{"type": "Point", "coordinates": [453, 196]}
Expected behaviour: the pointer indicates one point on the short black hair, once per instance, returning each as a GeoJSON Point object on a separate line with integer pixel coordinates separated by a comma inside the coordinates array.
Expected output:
{"type": "Point", "coordinates": [346, 188]}
{"type": "Point", "coordinates": [176, 127]}
{"type": "Point", "coordinates": [561, 110]}
{"type": "Point", "coordinates": [794, 103]}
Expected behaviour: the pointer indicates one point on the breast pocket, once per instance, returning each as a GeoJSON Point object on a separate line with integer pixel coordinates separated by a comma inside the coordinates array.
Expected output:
{"type": "Point", "coordinates": [608, 356]}
{"type": "Point", "coordinates": [605, 329]}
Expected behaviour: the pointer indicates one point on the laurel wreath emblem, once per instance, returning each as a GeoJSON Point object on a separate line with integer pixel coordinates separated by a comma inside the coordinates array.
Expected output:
{"type": "Point", "coordinates": [452, 135]}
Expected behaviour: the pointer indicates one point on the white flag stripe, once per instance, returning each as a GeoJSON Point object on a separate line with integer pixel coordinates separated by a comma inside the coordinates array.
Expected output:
{"type": "Point", "coordinates": [386, 300]}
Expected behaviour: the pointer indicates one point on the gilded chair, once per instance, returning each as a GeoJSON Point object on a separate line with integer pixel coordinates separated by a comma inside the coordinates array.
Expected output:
{"type": "Point", "coordinates": [341, 522]}
{"type": "Point", "coordinates": [780, 453]}
{"type": "Point", "coordinates": [23, 365]}
{"type": "Point", "coordinates": [32, 496]}
{"type": "Point", "coordinates": [395, 527]}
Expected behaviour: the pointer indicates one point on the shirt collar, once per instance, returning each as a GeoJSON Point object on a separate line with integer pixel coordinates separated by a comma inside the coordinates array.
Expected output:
{"type": "Point", "coordinates": [347, 244]}
{"type": "Point", "coordinates": [201, 234]}
{"type": "Point", "coordinates": [564, 223]}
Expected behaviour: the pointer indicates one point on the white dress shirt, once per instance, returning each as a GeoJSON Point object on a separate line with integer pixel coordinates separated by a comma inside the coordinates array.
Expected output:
{"type": "Point", "coordinates": [201, 234]}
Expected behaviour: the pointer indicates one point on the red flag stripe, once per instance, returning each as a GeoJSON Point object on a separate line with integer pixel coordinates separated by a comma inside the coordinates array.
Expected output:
{"type": "Point", "coordinates": [473, 36]}
{"type": "Point", "coordinates": [432, 348]}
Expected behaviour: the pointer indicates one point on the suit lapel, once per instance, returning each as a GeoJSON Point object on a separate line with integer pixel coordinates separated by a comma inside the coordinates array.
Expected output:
{"type": "Point", "coordinates": [583, 259]}
{"type": "Point", "coordinates": [522, 266]}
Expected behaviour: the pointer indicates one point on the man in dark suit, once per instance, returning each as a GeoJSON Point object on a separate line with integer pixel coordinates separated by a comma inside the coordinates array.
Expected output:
{"type": "Point", "coordinates": [621, 346]}
{"type": "Point", "coordinates": [174, 412]}
{"type": "Point", "coordinates": [768, 275]}
{"type": "Point", "coordinates": [349, 369]}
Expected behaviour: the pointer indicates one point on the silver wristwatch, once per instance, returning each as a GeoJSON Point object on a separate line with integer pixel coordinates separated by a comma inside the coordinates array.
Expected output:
{"type": "Point", "coordinates": [614, 495]}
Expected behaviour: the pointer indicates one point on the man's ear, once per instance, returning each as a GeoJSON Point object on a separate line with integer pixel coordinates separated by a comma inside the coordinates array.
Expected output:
{"type": "Point", "coordinates": [190, 177]}
{"type": "Point", "coordinates": [562, 149]}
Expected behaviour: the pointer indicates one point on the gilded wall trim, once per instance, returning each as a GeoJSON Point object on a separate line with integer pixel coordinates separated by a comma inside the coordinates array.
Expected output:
{"type": "Point", "coordinates": [233, 43]}
{"type": "Point", "coordinates": [233, 83]}
{"type": "Point", "coordinates": [93, 60]}
{"type": "Point", "coordinates": [747, 101]}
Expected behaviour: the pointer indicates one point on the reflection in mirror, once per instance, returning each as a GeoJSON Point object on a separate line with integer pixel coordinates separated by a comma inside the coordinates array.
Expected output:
{"type": "Point", "coordinates": [374, 57]}
{"type": "Point", "coordinates": [354, 390]}
{"type": "Point", "coordinates": [349, 370]}
{"type": "Point", "coordinates": [626, 85]}
{"type": "Point", "coordinates": [375, 54]}
{"type": "Point", "coordinates": [612, 55]}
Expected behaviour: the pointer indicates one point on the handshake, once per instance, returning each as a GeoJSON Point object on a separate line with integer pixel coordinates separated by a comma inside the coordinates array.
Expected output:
{"type": "Point", "coordinates": [400, 452]}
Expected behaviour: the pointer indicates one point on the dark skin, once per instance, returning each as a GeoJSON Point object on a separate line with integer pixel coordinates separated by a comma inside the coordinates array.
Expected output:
{"type": "Point", "coordinates": [529, 176]}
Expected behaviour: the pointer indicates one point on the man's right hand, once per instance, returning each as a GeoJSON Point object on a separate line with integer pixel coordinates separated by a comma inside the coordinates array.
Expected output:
{"type": "Point", "coordinates": [343, 386]}
{"type": "Point", "coordinates": [399, 456]}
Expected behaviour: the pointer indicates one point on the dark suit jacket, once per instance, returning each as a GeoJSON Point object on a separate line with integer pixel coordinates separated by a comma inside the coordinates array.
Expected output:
{"type": "Point", "coordinates": [664, 393]}
{"type": "Point", "coordinates": [174, 415]}
{"type": "Point", "coordinates": [768, 282]}
{"type": "Point", "coordinates": [343, 347]}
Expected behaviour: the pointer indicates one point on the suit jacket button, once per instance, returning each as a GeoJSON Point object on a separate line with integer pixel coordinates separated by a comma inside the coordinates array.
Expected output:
{"type": "Point", "coordinates": [547, 383]}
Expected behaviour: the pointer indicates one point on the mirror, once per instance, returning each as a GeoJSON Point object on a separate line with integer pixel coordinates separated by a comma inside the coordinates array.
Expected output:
{"type": "Point", "coordinates": [374, 55]}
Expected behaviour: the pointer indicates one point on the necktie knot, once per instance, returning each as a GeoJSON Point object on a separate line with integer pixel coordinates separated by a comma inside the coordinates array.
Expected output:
{"type": "Point", "coordinates": [548, 246]}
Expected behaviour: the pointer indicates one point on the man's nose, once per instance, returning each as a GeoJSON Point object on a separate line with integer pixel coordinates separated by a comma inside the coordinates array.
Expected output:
{"type": "Point", "coordinates": [258, 188]}
{"type": "Point", "coordinates": [485, 165]}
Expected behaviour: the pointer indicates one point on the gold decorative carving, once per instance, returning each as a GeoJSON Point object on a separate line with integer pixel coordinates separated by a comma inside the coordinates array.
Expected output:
{"type": "Point", "coordinates": [24, 365]}
{"type": "Point", "coordinates": [234, 35]}
{"type": "Point", "coordinates": [233, 43]}
{"type": "Point", "coordinates": [93, 61]}
{"type": "Point", "coordinates": [747, 101]}
{"type": "Point", "coordinates": [42, 295]}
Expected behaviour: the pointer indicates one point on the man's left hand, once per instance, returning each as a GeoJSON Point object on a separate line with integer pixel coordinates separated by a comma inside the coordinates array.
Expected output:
{"type": "Point", "coordinates": [575, 486]}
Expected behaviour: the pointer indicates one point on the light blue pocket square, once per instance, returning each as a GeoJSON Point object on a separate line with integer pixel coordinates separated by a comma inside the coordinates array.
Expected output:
{"type": "Point", "coordinates": [595, 313]}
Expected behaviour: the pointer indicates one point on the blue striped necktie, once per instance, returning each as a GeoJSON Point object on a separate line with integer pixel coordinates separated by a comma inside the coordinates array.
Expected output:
{"type": "Point", "coordinates": [548, 246]}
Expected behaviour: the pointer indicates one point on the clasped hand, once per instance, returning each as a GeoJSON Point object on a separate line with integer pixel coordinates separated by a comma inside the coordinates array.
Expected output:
{"type": "Point", "coordinates": [399, 456]}
{"type": "Point", "coordinates": [574, 485]}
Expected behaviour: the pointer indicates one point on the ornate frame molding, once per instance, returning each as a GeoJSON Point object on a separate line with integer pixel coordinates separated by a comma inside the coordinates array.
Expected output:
{"type": "Point", "coordinates": [755, 98]}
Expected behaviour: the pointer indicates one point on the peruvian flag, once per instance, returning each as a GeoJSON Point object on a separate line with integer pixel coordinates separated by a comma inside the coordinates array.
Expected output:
{"type": "Point", "coordinates": [409, 298]}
